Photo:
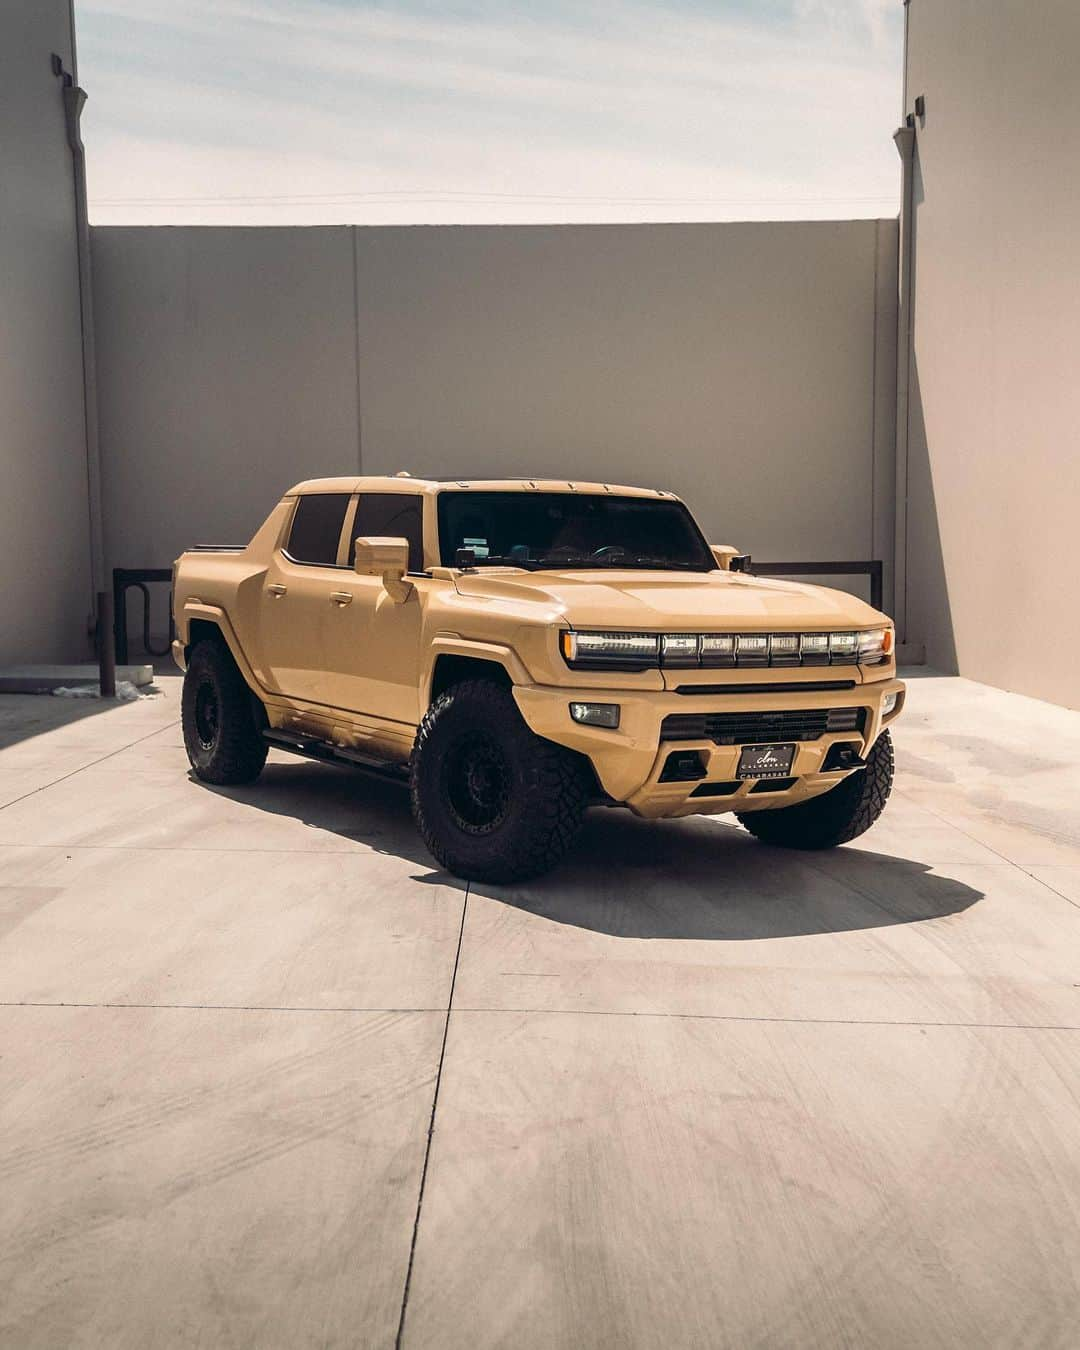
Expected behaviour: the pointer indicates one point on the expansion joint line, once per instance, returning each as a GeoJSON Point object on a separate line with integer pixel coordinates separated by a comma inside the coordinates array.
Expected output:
{"type": "Point", "coordinates": [431, 1127]}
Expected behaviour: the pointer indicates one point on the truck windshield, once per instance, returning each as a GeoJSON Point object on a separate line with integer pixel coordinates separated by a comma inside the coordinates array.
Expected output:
{"type": "Point", "coordinates": [572, 530]}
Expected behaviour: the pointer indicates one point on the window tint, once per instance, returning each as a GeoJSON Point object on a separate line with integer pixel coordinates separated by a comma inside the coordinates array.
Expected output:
{"type": "Point", "coordinates": [571, 530]}
{"type": "Point", "coordinates": [394, 514]}
{"type": "Point", "coordinates": [316, 527]}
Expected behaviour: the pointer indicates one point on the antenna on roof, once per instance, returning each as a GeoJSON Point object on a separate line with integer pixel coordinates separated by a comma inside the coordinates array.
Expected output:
{"type": "Point", "coordinates": [403, 473]}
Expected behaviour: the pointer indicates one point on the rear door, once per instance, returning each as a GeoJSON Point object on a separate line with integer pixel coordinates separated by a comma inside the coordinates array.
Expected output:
{"type": "Point", "coordinates": [298, 591]}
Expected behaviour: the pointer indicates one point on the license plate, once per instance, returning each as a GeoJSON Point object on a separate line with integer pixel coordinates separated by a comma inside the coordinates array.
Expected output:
{"type": "Point", "coordinates": [766, 761]}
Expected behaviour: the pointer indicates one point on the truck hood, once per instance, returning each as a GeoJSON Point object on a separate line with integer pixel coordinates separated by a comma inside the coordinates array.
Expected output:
{"type": "Point", "coordinates": [669, 601]}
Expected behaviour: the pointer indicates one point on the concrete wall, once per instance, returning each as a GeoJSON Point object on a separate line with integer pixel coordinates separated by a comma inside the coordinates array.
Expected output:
{"type": "Point", "coordinates": [748, 366]}
{"type": "Point", "coordinates": [45, 597]}
{"type": "Point", "coordinates": [994, 474]}
{"type": "Point", "coordinates": [226, 371]}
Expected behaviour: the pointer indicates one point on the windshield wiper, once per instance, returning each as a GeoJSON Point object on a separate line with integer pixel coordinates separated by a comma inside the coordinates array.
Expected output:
{"type": "Point", "coordinates": [668, 564]}
{"type": "Point", "coordinates": [498, 560]}
{"type": "Point", "coordinates": [615, 561]}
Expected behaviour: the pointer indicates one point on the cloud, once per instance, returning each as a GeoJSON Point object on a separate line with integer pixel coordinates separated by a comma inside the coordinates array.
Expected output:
{"type": "Point", "coordinates": [301, 110]}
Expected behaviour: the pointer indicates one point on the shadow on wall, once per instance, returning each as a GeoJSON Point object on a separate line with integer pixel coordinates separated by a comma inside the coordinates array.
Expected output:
{"type": "Point", "coordinates": [694, 879]}
{"type": "Point", "coordinates": [929, 613]}
{"type": "Point", "coordinates": [927, 609]}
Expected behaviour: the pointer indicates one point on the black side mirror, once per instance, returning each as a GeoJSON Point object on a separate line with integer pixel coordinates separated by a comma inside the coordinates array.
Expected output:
{"type": "Point", "coordinates": [740, 563]}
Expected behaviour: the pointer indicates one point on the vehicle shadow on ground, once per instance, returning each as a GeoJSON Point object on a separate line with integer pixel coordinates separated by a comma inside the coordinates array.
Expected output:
{"type": "Point", "coordinates": [696, 878]}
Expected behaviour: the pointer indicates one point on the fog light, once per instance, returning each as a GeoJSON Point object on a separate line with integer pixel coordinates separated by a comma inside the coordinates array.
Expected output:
{"type": "Point", "coordinates": [889, 702]}
{"type": "Point", "coordinates": [596, 714]}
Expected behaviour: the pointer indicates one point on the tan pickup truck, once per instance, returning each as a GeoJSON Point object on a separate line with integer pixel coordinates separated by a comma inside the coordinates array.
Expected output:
{"type": "Point", "coordinates": [519, 650]}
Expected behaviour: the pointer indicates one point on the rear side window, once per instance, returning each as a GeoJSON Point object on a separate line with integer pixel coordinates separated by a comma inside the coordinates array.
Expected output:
{"type": "Point", "coordinates": [396, 514]}
{"type": "Point", "coordinates": [316, 527]}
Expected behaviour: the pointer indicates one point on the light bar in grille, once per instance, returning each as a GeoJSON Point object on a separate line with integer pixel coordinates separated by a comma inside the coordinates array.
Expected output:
{"type": "Point", "coordinates": [645, 651]}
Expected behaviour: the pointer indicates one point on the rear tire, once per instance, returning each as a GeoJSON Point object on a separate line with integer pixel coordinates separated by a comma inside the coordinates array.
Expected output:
{"type": "Point", "coordinates": [221, 732]}
{"type": "Point", "coordinates": [837, 816]}
{"type": "Point", "coordinates": [493, 801]}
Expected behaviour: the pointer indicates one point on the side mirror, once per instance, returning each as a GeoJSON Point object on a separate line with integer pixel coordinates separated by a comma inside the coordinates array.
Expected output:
{"type": "Point", "coordinates": [730, 559]}
{"type": "Point", "coordinates": [380, 556]}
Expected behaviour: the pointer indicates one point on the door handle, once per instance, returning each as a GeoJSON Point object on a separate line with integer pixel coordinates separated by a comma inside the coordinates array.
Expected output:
{"type": "Point", "coordinates": [341, 597]}
{"type": "Point", "coordinates": [276, 588]}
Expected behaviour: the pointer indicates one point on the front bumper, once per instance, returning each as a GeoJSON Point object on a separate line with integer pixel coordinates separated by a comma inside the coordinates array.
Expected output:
{"type": "Point", "coordinates": [629, 761]}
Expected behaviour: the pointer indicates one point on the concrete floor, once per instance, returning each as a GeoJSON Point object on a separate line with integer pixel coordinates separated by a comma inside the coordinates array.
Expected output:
{"type": "Point", "coordinates": [691, 1091]}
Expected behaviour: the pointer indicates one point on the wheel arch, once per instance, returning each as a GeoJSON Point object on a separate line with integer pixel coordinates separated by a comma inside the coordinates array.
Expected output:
{"type": "Point", "coordinates": [451, 668]}
{"type": "Point", "coordinates": [456, 659]}
{"type": "Point", "coordinates": [209, 623]}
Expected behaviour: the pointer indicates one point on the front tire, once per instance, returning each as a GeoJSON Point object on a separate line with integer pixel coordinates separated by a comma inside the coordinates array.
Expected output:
{"type": "Point", "coordinates": [837, 816]}
{"type": "Point", "coordinates": [222, 737]}
{"type": "Point", "coordinates": [493, 801]}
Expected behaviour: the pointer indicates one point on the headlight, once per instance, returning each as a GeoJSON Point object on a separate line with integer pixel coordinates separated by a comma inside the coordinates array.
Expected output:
{"type": "Point", "coordinates": [843, 645]}
{"type": "Point", "coordinates": [635, 651]}
{"type": "Point", "coordinates": [648, 651]}
{"type": "Point", "coordinates": [680, 649]}
{"type": "Point", "coordinates": [752, 649]}
{"type": "Point", "coordinates": [889, 702]}
{"type": "Point", "coordinates": [875, 646]}
{"type": "Point", "coordinates": [717, 649]}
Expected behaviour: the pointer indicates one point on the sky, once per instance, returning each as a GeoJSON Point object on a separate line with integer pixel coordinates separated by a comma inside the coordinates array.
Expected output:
{"type": "Point", "coordinates": [470, 111]}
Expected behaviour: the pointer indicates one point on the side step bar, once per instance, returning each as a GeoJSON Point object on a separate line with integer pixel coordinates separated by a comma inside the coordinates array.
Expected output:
{"type": "Point", "coordinates": [312, 748]}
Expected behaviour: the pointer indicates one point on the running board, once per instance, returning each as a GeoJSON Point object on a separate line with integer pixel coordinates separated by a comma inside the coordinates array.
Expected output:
{"type": "Point", "coordinates": [312, 748]}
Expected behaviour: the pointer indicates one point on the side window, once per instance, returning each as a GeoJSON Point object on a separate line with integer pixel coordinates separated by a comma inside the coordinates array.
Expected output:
{"type": "Point", "coordinates": [397, 514]}
{"type": "Point", "coordinates": [316, 527]}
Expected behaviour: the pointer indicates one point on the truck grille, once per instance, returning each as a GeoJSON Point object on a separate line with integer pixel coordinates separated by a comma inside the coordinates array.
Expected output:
{"type": "Point", "coordinates": [752, 728]}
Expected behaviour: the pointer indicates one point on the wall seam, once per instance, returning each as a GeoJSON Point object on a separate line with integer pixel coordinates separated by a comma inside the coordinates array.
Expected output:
{"type": "Point", "coordinates": [356, 348]}
{"type": "Point", "coordinates": [874, 541]}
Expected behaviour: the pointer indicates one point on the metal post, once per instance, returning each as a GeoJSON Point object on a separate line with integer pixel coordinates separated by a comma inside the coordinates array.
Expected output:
{"type": "Point", "coordinates": [106, 645]}
{"type": "Point", "coordinates": [877, 585]}
{"type": "Point", "coordinates": [74, 100]}
{"type": "Point", "coordinates": [119, 595]}
{"type": "Point", "coordinates": [905, 145]}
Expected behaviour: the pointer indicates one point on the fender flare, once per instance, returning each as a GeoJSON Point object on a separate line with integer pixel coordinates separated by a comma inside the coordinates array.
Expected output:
{"type": "Point", "coordinates": [452, 644]}
{"type": "Point", "coordinates": [196, 609]}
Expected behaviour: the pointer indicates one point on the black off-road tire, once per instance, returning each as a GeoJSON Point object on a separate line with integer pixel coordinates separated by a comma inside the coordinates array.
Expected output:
{"type": "Point", "coordinates": [493, 801]}
{"type": "Point", "coordinates": [220, 719]}
{"type": "Point", "coordinates": [837, 816]}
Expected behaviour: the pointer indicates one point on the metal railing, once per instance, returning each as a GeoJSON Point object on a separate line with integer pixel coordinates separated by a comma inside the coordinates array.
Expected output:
{"type": "Point", "coordinates": [141, 578]}
{"type": "Point", "coordinates": [873, 568]}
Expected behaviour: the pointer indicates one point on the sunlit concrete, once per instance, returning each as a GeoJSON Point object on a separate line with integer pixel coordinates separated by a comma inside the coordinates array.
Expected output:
{"type": "Point", "coordinates": [694, 1091]}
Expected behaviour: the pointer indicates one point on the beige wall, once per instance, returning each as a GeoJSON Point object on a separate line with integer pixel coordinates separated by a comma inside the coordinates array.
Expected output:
{"type": "Point", "coordinates": [747, 366]}
{"type": "Point", "coordinates": [226, 371]}
{"type": "Point", "coordinates": [731, 363]}
{"type": "Point", "coordinates": [994, 472]}
{"type": "Point", "coordinates": [45, 598]}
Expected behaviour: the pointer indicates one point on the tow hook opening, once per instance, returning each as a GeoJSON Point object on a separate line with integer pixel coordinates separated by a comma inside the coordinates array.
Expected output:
{"type": "Point", "coordinates": [683, 766]}
{"type": "Point", "coordinates": [843, 756]}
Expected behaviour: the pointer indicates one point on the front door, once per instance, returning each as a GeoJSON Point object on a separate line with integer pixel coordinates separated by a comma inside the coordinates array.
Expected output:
{"type": "Point", "coordinates": [372, 643]}
{"type": "Point", "coordinates": [297, 594]}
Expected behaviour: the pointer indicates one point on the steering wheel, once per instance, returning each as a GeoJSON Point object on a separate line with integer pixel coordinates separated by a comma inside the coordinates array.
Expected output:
{"type": "Point", "coordinates": [609, 551]}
